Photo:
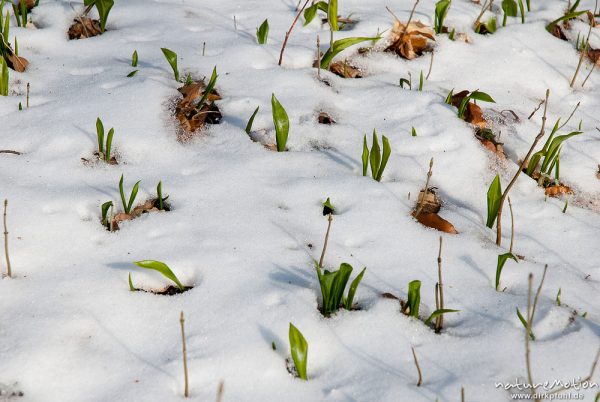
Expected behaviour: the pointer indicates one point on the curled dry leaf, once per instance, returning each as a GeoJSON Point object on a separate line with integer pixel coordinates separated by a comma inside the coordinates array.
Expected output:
{"type": "Point", "coordinates": [19, 64]}
{"type": "Point", "coordinates": [410, 42]}
{"type": "Point", "coordinates": [473, 114]}
{"type": "Point", "coordinates": [325, 118]}
{"type": "Point", "coordinates": [146, 207]}
{"type": "Point", "coordinates": [557, 31]}
{"type": "Point", "coordinates": [591, 18]}
{"type": "Point", "coordinates": [345, 70]}
{"type": "Point", "coordinates": [433, 220]}
{"type": "Point", "coordinates": [189, 116]}
{"type": "Point", "coordinates": [29, 3]}
{"type": "Point", "coordinates": [557, 190]}
{"type": "Point", "coordinates": [594, 56]}
{"type": "Point", "coordinates": [84, 27]}
{"type": "Point", "coordinates": [488, 140]}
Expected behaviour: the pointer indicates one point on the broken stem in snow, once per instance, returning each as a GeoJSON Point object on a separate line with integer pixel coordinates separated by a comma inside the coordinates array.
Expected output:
{"type": "Point", "coordinates": [420, 381]}
{"type": "Point", "coordinates": [583, 53]}
{"type": "Point", "coordinates": [318, 57]}
{"type": "Point", "coordinates": [571, 115]}
{"type": "Point", "coordinates": [420, 206]}
{"type": "Point", "coordinates": [439, 321]}
{"type": "Point", "coordinates": [516, 176]}
{"type": "Point", "coordinates": [220, 391]}
{"type": "Point", "coordinates": [527, 336]}
{"type": "Point", "coordinates": [185, 371]}
{"type": "Point", "coordinates": [430, 65]}
{"type": "Point", "coordinates": [8, 270]}
{"type": "Point", "coordinates": [287, 34]}
{"type": "Point", "coordinates": [512, 226]}
{"type": "Point", "coordinates": [329, 218]}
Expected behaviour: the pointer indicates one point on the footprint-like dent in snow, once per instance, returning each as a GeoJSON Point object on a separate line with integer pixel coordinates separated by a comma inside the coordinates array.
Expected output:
{"type": "Point", "coordinates": [86, 71]}
{"type": "Point", "coordinates": [113, 85]}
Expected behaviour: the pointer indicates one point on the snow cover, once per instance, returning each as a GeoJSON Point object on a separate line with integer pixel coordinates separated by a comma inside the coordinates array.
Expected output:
{"type": "Point", "coordinates": [243, 217]}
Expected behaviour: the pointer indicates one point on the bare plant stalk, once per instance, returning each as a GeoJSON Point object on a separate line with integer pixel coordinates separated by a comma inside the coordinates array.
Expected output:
{"type": "Point", "coordinates": [329, 219]}
{"type": "Point", "coordinates": [430, 66]}
{"type": "Point", "coordinates": [588, 76]}
{"type": "Point", "coordinates": [220, 391]}
{"type": "Point", "coordinates": [521, 166]}
{"type": "Point", "coordinates": [318, 57]}
{"type": "Point", "coordinates": [462, 394]}
{"type": "Point", "coordinates": [537, 293]}
{"type": "Point", "coordinates": [287, 34]}
{"type": "Point", "coordinates": [437, 296]}
{"type": "Point", "coordinates": [536, 109]}
{"type": "Point", "coordinates": [234, 23]}
{"type": "Point", "coordinates": [27, 103]}
{"type": "Point", "coordinates": [571, 115]}
{"type": "Point", "coordinates": [483, 10]}
{"type": "Point", "coordinates": [527, 332]}
{"type": "Point", "coordinates": [586, 379]}
{"type": "Point", "coordinates": [184, 350]}
{"type": "Point", "coordinates": [420, 206]}
{"type": "Point", "coordinates": [8, 270]}
{"type": "Point", "coordinates": [512, 226]}
{"type": "Point", "coordinates": [203, 48]}
{"type": "Point", "coordinates": [583, 53]}
{"type": "Point", "coordinates": [420, 381]}
{"type": "Point", "coordinates": [439, 322]}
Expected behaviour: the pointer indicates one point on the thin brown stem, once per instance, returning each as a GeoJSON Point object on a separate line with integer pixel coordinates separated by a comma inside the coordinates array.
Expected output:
{"type": "Point", "coordinates": [329, 219]}
{"type": "Point", "coordinates": [588, 76]}
{"type": "Point", "coordinates": [9, 151]}
{"type": "Point", "coordinates": [462, 394]}
{"type": "Point", "coordinates": [287, 34]}
{"type": "Point", "coordinates": [27, 99]}
{"type": "Point", "coordinates": [483, 10]}
{"type": "Point", "coordinates": [439, 322]}
{"type": "Point", "coordinates": [527, 336]}
{"type": "Point", "coordinates": [536, 109]}
{"type": "Point", "coordinates": [184, 350]}
{"type": "Point", "coordinates": [318, 57]}
{"type": "Point", "coordinates": [220, 391]}
{"type": "Point", "coordinates": [570, 116]}
{"type": "Point", "coordinates": [430, 65]}
{"type": "Point", "coordinates": [512, 226]}
{"type": "Point", "coordinates": [586, 379]}
{"type": "Point", "coordinates": [420, 381]}
{"type": "Point", "coordinates": [537, 294]}
{"type": "Point", "coordinates": [422, 202]}
{"type": "Point", "coordinates": [8, 270]}
{"type": "Point", "coordinates": [583, 53]}
{"type": "Point", "coordinates": [516, 176]}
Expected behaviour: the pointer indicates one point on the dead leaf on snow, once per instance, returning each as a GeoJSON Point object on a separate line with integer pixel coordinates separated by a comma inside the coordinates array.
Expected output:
{"type": "Point", "coordinates": [473, 114]}
{"type": "Point", "coordinates": [325, 118]}
{"type": "Point", "coordinates": [431, 202]}
{"type": "Point", "coordinates": [29, 3]}
{"type": "Point", "coordinates": [345, 70]}
{"type": "Point", "coordinates": [19, 64]}
{"type": "Point", "coordinates": [192, 118]}
{"type": "Point", "coordinates": [488, 140]}
{"type": "Point", "coordinates": [410, 42]}
{"type": "Point", "coordinates": [433, 220]}
{"type": "Point", "coordinates": [594, 56]}
{"type": "Point", "coordinates": [84, 27]}
{"type": "Point", "coordinates": [557, 190]}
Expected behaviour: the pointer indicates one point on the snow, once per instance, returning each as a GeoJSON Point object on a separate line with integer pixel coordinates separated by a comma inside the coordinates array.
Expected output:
{"type": "Point", "coordinates": [243, 217]}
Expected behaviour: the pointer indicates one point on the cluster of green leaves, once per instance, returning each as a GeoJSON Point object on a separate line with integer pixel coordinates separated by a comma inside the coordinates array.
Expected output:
{"type": "Point", "coordinates": [569, 15]}
{"type": "Point", "coordinates": [375, 157]}
{"type": "Point", "coordinates": [333, 284]}
{"type": "Point", "coordinates": [134, 63]}
{"type": "Point", "coordinates": [104, 150]}
{"type": "Point", "coordinates": [441, 10]}
{"type": "Point", "coordinates": [549, 155]}
{"type": "Point", "coordinates": [262, 33]}
{"type": "Point", "coordinates": [299, 350]}
{"type": "Point", "coordinates": [412, 305]}
{"type": "Point", "coordinates": [281, 122]}
{"type": "Point", "coordinates": [171, 57]}
{"type": "Point", "coordinates": [472, 96]}
{"type": "Point", "coordinates": [21, 11]}
{"type": "Point", "coordinates": [209, 88]}
{"type": "Point", "coordinates": [159, 267]}
{"type": "Point", "coordinates": [330, 8]}
{"type": "Point", "coordinates": [128, 204]}
{"type": "Point", "coordinates": [339, 45]}
{"type": "Point", "coordinates": [103, 7]}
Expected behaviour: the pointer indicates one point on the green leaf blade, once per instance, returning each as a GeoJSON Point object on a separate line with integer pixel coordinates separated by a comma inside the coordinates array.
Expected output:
{"type": "Point", "coordinates": [162, 268]}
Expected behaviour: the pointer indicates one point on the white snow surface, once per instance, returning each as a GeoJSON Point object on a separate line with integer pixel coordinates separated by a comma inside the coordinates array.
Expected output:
{"type": "Point", "coordinates": [243, 217]}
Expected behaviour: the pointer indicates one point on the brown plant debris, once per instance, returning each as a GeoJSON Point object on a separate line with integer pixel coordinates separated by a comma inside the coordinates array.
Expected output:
{"type": "Point", "coordinates": [192, 118]}
{"type": "Point", "coordinates": [29, 3]}
{"type": "Point", "coordinates": [84, 27]}
{"type": "Point", "coordinates": [473, 114]}
{"type": "Point", "coordinates": [86, 161]}
{"type": "Point", "coordinates": [325, 118]}
{"type": "Point", "coordinates": [19, 64]}
{"type": "Point", "coordinates": [557, 190]}
{"type": "Point", "coordinates": [428, 215]}
{"type": "Point", "coordinates": [410, 42]}
{"type": "Point", "coordinates": [345, 70]}
{"type": "Point", "coordinates": [594, 56]}
{"type": "Point", "coordinates": [146, 207]}
{"type": "Point", "coordinates": [488, 140]}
